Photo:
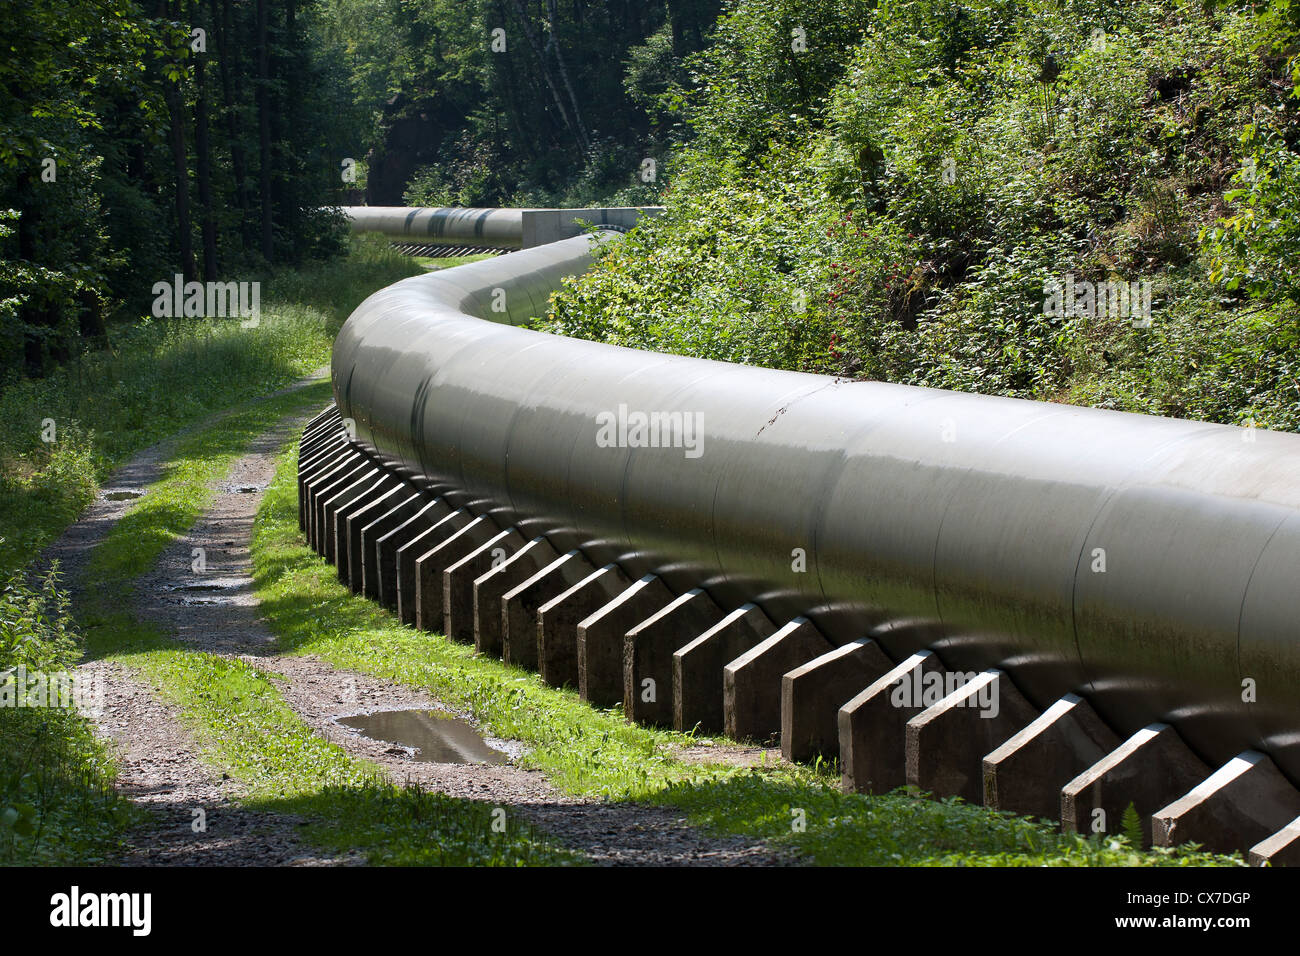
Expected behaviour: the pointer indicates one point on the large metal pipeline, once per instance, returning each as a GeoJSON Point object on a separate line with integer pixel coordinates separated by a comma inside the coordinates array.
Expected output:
{"type": "Point", "coordinates": [472, 228]}
{"type": "Point", "coordinates": [1149, 564]}
{"type": "Point", "coordinates": [488, 229]}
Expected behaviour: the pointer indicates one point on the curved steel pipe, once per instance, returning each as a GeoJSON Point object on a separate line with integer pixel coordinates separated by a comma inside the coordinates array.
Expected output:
{"type": "Point", "coordinates": [442, 226]}
{"type": "Point", "coordinates": [1151, 564]}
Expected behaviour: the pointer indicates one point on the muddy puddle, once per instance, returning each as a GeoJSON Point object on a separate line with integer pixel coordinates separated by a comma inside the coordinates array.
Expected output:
{"type": "Point", "coordinates": [124, 495]}
{"type": "Point", "coordinates": [427, 735]}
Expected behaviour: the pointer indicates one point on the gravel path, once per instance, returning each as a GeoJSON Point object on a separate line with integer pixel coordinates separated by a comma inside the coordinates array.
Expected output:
{"type": "Point", "coordinates": [159, 764]}
{"type": "Point", "coordinates": [214, 610]}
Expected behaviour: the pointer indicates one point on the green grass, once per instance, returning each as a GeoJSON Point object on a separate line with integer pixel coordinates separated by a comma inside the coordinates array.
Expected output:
{"type": "Point", "coordinates": [596, 752]}
{"type": "Point", "coordinates": [56, 802]}
{"type": "Point", "coordinates": [246, 729]}
{"type": "Point", "coordinates": [903, 829]}
{"type": "Point", "coordinates": [57, 805]}
{"type": "Point", "coordinates": [158, 377]}
{"type": "Point", "coordinates": [183, 492]}
{"type": "Point", "coordinates": [434, 265]}
{"type": "Point", "coordinates": [237, 713]}
{"type": "Point", "coordinates": [582, 749]}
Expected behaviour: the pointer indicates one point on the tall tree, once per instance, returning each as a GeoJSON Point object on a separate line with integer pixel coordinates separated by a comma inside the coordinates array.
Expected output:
{"type": "Point", "coordinates": [264, 132]}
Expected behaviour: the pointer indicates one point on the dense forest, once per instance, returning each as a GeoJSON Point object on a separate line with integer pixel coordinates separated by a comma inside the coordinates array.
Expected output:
{"type": "Point", "coordinates": [142, 140]}
{"type": "Point", "coordinates": [146, 138]}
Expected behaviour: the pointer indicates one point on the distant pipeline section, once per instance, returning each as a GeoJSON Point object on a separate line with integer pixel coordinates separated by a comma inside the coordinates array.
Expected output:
{"type": "Point", "coordinates": [1053, 610]}
{"type": "Point", "coordinates": [464, 231]}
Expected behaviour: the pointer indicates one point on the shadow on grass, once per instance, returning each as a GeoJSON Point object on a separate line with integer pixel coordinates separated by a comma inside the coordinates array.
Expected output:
{"type": "Point", "coordinates": [903, 828]}
{"type": "Point", "coordinates": [406, 826]}
{"type": "Point", "coordinates": [55, 791]}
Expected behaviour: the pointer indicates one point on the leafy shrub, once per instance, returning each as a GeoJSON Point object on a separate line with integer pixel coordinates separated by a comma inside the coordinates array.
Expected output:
{"type": "Point", "coordinates": [949, 165]}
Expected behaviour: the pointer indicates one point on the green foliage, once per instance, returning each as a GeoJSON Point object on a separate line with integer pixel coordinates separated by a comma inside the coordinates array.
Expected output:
{"type": "Point", "coordinates": [127, 156]}
{"type": "Point", "coordinates": [770, 65]}
{"type": "Point", "coordinates": [57, 804]}
{"type": "Point", "coordinates": [1131, 826]}
{"type": "Point", "coordinates": [484, 103]}
{"type": "Point", "coordinates": [904, 828]}
{"type": "Point", "coordinates": [159, 376]}
{"type": "Point", "coordinates": [1255, 250]}
{"type": "Point", "coordinates": [35, 630]}
{"type": "Point", "coordinates": [954, 161]}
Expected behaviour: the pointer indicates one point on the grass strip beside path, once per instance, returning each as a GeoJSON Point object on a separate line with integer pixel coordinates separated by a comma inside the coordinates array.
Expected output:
{"type": "Point", "coordinates": [238, 714]}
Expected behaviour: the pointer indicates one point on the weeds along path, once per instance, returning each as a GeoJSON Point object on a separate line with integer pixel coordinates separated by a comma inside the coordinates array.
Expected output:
{"type": "Point", "coordinates": [214, 610]}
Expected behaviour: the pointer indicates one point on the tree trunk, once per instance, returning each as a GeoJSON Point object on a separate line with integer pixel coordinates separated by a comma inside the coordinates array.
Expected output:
{"type": "Point", "coordinates": [546, 76]}
{"type": "Point", "coordinates": [226, 55]}
{"type": "Point", "coordinates": [180, 163]}
{"type": "Point", "coordinates": [203, 160]}
{"type": "Point", "coordinates": [554, 44]}
{"type": "Point", "coordinates": [264, 132]}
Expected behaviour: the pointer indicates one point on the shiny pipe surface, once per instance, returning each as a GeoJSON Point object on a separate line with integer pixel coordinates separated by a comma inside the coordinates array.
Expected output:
{"type": "Point", "coordinates": [442, 226]}
{"type": "Point", "coordinates": [1151, 564]}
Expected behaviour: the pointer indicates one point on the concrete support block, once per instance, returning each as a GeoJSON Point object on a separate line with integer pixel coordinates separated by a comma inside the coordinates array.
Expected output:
{"type": "Point", "coordinates": [407, 554]}
{"type": "Point", "coordinates": [751, 684]}
{"type": "Point", "coordinates": [492, 586]}
{"type": "Point", "coordinates": [311, 451]}
{"type": "Point", "coordinates": [458, 582]}
{"type": "Point", "coordinates": [350, 466]}
{"type": "Point", "coordinates": [873, 726]}
{"type": "Point", "coordinates": [813, 693]}
{"type": "Point", "coordinates": [697, 667]}
{"type": "Point", "coordinates": [1149, 770]}
{"type": "Point", "coordinates": [366, 480]}
{"type": "Point", "coordinates": [330, 413]}
{"type": "Point", "coordinates": [1281, 849]}
{"type": "Point", "coordinates": [600, 639]}
{"type": "Point", "coordinates": [343, 529]}
{"type": "Point", "coordinates": [408, 506]}
{"type": "Point", "coordinates": [347, 476]}
{"type": "Point", "coordinates": [388, 495]}
{"type": "Point", "coordinates": [521, 606]}
{"type": "Point", "coordinates": [315, 462]}
{"type": "Point", "coordinates": [1025, 775]}
{"type": "Point", "coordinates": [318, 424]}
{"type": "Point", "coordinates": [429, 568]}
{"type": "Point", "coordinates": [314, 438]}
{"type": "Point", "coordinates": [321, 463]}
{"type": "Point", "coordinates": [323, 428]}
{"type": "Point", "coordinates": [318, 489]}
{"type": "Point", "coordinates": [648, 655]}
{"type": "Point", "coordinates": [310, 448]}
{"type": "Point", "coordinates": [946, 742]}
{"type": "Point", "coordinates": [558, 620]}
{"type": "Point", "coordinates": [388, 545]}
{"type": "Point", "coordinates": [1243, 803]}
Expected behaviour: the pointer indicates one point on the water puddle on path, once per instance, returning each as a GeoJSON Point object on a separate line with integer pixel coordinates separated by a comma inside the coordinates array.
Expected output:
{"type": "Point", "coordinates": [126, 495]}
{"type": "Point", "coordinates": [435, 738]}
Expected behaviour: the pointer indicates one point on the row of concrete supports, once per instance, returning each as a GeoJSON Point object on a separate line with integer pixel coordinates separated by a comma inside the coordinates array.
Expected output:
{"type": "Point", "coordinates": [681, 660]}
{"type": "Point", "coordinates": [442, 252]}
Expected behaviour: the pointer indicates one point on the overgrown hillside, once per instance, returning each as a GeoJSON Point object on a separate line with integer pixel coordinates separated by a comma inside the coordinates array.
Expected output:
{"type": "Point", "coordinates": [963, 195]}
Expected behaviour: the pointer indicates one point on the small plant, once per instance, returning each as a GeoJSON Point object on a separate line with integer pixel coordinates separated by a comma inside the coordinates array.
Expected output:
{"type": "Point", "coordinates": [1131, 826]}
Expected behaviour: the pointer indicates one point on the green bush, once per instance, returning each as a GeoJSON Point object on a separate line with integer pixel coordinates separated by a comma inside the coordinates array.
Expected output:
{"type": "Point", "coordinates": [904, 217]}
